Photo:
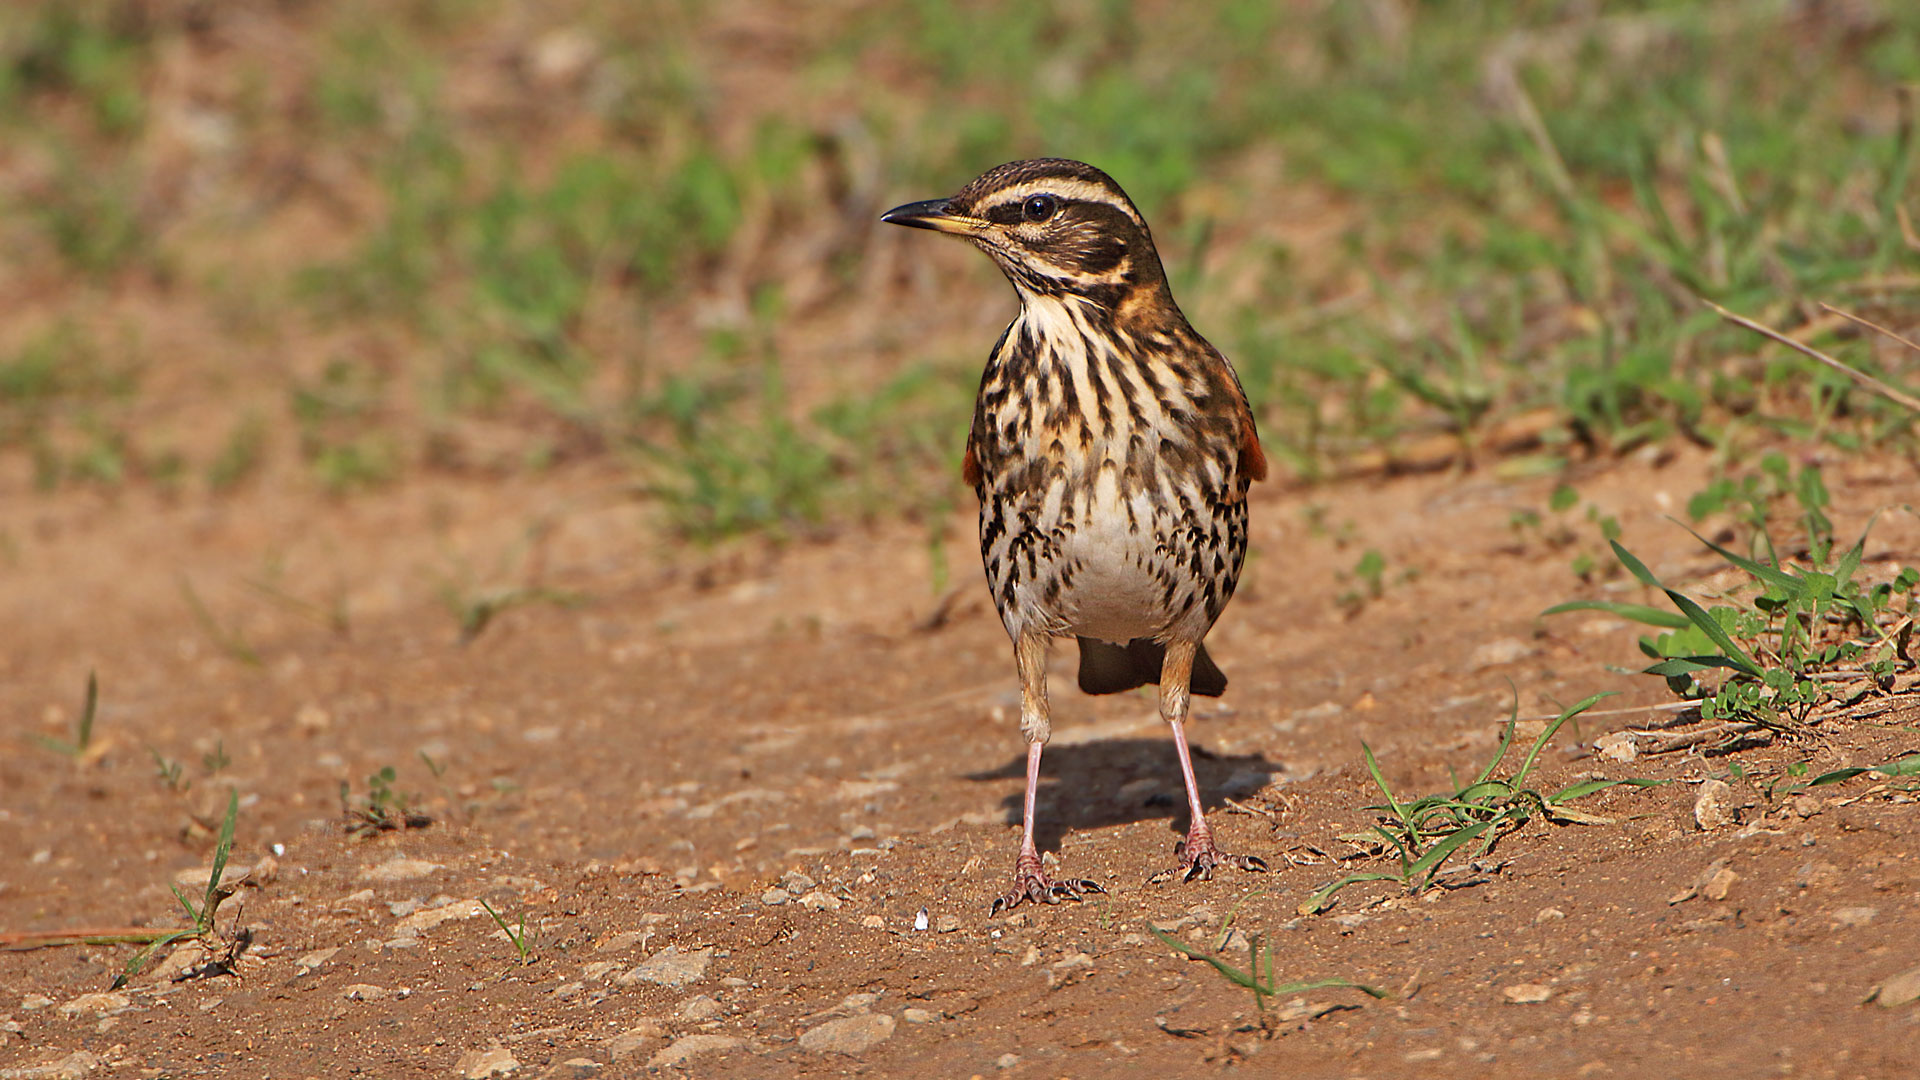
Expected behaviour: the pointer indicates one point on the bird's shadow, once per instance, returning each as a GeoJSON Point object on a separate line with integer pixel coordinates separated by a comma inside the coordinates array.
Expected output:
{"type": "Point", "coordinates": [1117, 781]}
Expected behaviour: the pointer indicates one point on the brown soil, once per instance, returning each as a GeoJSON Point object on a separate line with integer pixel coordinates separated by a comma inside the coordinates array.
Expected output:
{"type": "Point", "coordinates": [665, 764]}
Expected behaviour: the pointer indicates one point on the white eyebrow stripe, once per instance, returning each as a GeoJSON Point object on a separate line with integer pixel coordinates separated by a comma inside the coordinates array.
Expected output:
{"type": "Point", "coordinates": [1066, 188]}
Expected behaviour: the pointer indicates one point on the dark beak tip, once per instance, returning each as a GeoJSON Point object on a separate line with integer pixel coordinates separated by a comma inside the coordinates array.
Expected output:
{"type": "Point", "coordinates": [916, 215]}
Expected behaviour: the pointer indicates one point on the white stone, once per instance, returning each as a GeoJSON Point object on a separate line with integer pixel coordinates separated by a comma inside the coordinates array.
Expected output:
{"type": "Point", "coordinates": [398, 869]}
{"type": "Point", "coordinates": [1713, 808]}
{"type": "Point", "coordinates": [432, 917]}
{"type": "Point", "coordinates": [493, 1061]}
{"type": "Point", "coordinates": [96, 1005]}
{"type": "Point", "coordinates": [851, 1035]}
{"type": "Point", "coordinates": [669, 967]}
{"type": "Point", "coordinates": [687, 1046]}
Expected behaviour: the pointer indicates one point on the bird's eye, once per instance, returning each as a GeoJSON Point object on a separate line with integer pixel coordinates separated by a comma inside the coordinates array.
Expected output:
{"type": "Point", "coordinates": [1039, 207]}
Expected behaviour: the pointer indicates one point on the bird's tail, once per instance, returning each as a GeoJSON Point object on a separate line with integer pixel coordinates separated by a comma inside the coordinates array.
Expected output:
{"type": "Point", "coordinates": [1106, 668]}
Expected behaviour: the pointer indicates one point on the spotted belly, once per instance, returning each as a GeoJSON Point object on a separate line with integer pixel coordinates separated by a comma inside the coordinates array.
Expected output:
{"type": "Point", "coordinates": [1096, 560]}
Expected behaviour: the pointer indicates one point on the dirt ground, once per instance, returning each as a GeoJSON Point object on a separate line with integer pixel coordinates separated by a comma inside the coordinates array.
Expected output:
{"type": "Point", "coordinates": [721, 788]}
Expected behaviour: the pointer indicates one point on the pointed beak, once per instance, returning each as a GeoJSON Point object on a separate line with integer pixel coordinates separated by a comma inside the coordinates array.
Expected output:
{"type": "Point", "coordinates": [931, 214]}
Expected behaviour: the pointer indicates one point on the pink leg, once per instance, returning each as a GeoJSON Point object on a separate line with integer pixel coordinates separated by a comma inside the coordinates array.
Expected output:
{"type": "Point", "coordinates": [1030, 881]}
{"type": "Point", "coordinates": [1198, 855]}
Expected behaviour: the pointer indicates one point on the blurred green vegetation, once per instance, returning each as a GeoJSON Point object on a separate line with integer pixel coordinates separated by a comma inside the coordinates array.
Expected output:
{"type": "Point", "coordinates": [645, 230]}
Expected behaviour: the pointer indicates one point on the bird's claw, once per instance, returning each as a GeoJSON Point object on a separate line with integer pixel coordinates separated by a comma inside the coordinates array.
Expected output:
{"type": "Point", "coordinates": [1198, 857]}
{"type": "Point", "coordinates": [1031, 883]}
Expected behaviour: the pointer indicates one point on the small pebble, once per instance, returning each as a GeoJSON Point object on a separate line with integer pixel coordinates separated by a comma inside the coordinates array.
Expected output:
{"type": "Point", "coordinates": [399, 869]}
{"type": "Point", "coordinates": [1527, 994]}
{"type": "Point", "coordinates": [635, 1039]}
{"type": "Point", "coordinates": [312, 961]}
{"type": "Point", "coordinates": [687, 1046]}
{"type": "Point", "coordinates": [947, 924]}
{"type": "Point", "coordinates": [1007, 1061]}
{"type": "Point", "coordinates": [699, 1008]}
{"type": "Point", "coordinates": [1898, 990]}
{"type": "Point", "coordinates": [775, 897]}
{"type": "Point", "coordinates": [1618, 746]}
{"type": "Point", "coordinates": [669, 967]}
{"type": "Point", "coordinates": [96, 1004]}
{"type": "Point", "coordinates": [1069, 969]}
{"type": "Point", "coordinates": [481, 1064]}
{"type": "Point", "coordinates": [1718, 883]}
{"type": "Point", "coordinates": [1855, 916]}
{"type": "Point", "coordinates": [1713, 808]}
{"type": "Point", "coordinates": [851, 1035]}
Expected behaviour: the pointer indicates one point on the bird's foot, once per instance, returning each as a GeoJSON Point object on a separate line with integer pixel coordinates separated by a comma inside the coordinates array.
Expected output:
{"type": "Point", "coordinates": [1198, 856]}
{"type": "Point", "coordinates": [1030, 882]}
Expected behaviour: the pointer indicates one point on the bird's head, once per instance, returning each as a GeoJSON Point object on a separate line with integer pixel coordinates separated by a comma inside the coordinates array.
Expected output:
{"type": "Point", "coordinates": [1056, 227]}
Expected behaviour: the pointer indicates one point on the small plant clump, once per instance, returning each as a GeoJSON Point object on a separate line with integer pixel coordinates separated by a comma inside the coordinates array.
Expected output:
{"type": "Point", "coordinates": [82, 741]}
{"type": "Point", "coordinates": [1422, 834]}
{"type": "Point", "coordinates": [200, 919]}
{"type": "Point", "coordinates": [1263, 985]}
{"type": "Point", "coordinates": [1810, 636]}
{"type": "Point", "coordinates": [382, 809]}
{"type": "Point", "coordinates": [522, 943]}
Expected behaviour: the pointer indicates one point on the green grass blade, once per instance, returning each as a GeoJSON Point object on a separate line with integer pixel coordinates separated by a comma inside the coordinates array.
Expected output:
{"type": "Point", "coordinates": [1634, 566]}
{"type": "Point", "coordinates": [58, 746]}
{"type": "Point", "coordinates": [1540, 743]}
{"type": "Point", "coordinates": [1233, 974]}
{"type": "Point", "coordinates": [1639, 613]}
{"type": "Point", "coordinates": [1588, 787]}
{"type": "Point", "coordinates": [1226, 924]}
{"type": "Point", "coordinates": [139, 959]}
{"type": "Point", "coordinates": [1792, 583]}
{"type": "Point", "coordinates": [1322, 984]}
{"type": "Point", "coordinates": [220, 852]}
{"type": "Point", "coordinates": [1399, 845]}
{"type": "Point", "coordinates": [86, 714]}
{"type": "Point", "coordinates": [1424, 867]}
{"type": "Point", "coordinates": [1475, 796]}
{"type": "Point", "coordinates": [1711, 627]}
{"type": "Point", "coordinates": [1322, 898]}
{"type": "Point", "coordinates": [1906, 766]}
{"type": "Point", "coordinates": [193, 914]}
{"type": "Point", "coordinates": [1506, 738]}
{"type": "Point", "coordinates": [1253, 964]}
{"type": "Point", "coordinates": [1393, 804]}
{"type": "Point", "coordinates": [1251, 979]}
{"type": "Point", "coordinates": [1687, 665]}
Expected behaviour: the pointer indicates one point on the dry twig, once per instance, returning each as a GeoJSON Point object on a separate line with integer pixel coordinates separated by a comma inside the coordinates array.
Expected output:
{"type": "Point", "coordinates": [1898, 397]}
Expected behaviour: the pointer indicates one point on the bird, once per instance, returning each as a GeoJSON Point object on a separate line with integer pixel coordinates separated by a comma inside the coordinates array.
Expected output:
{"type": "Point", "coordinates": [1112, 449]}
